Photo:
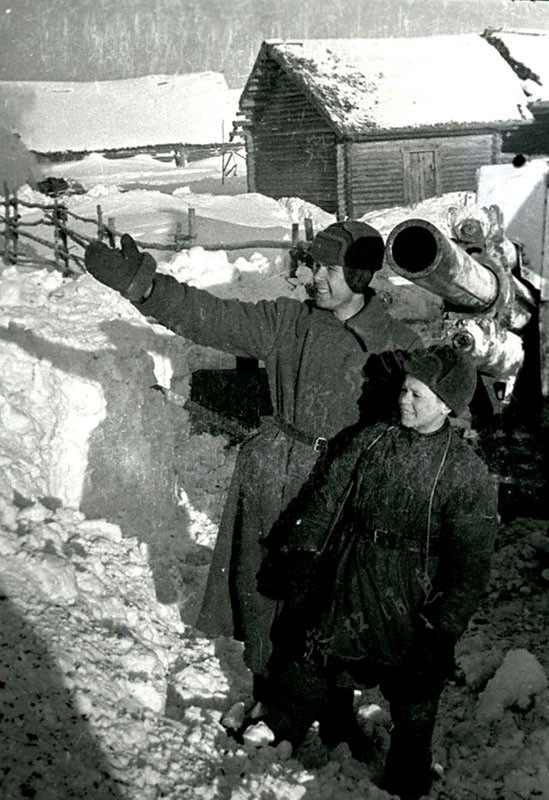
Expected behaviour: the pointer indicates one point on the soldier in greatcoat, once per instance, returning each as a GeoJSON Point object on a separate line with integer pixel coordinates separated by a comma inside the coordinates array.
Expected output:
{"type": "Point", "coordinates": [315, 354]}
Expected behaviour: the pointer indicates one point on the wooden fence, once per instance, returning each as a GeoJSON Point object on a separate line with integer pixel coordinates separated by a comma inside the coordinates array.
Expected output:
{"type": "Point", "coordinates": [68, 245]}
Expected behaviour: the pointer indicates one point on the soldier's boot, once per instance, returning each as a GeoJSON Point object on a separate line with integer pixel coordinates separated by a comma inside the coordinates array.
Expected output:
{"type": "Point", "coordinates": [338, 723]}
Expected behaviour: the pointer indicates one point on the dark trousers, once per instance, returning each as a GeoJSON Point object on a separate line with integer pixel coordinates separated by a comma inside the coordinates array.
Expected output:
{"type": "Point", "coordinates": [302, 692]}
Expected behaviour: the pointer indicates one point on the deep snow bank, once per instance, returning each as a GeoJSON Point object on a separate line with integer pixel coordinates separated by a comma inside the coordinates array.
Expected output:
{"type": "Point", "coordinates": [84, 421]}
{"type": "Point", "coordinates": [88, 413]}
{"type": "Point", "coordinates": [106, 694]}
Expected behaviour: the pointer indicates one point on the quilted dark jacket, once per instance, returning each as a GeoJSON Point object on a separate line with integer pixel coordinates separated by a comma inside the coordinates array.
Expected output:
{"type": "Point", "coordinates": [403, 528]}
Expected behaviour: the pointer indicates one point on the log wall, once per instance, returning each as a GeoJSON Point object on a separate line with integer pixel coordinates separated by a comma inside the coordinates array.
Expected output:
{"type": "Point", "coordinates": [291, 149]}
{"type": "Point", "coordinates": [403, 171]}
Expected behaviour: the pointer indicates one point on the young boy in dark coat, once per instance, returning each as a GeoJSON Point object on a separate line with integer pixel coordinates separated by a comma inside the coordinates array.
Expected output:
{"type": "Point", "coordinates": [385, 565]}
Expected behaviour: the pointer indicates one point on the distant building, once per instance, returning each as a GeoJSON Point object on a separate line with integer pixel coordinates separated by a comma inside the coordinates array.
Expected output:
{"type": "Point", "coordinates": [357, 124]}
{"type": "Point", "coordinates": [132, 115]}
{"type": "Point", "coordinates": [527, 53]}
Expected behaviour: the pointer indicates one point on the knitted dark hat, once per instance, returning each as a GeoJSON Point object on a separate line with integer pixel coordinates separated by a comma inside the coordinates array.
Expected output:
{"type": "Point", "coordinates": [356, 246]}
{"type": "Point", "coordinates": [448, 372]}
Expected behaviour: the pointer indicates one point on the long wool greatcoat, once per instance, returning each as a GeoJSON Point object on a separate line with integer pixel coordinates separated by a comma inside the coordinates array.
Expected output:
{"type": "Point", "coordinates": [406, 525]}
{"type": "Point", "coordinates": [314, 365]}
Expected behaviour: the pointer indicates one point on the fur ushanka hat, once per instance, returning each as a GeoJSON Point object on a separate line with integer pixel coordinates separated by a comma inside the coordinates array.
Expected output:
{"type": "Point", "coordinates": [448, 372]}
{"type": "Point", "coordinates": [356, 246]}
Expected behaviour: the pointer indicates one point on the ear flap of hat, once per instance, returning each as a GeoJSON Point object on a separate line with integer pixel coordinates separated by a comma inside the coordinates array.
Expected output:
{"type": "Point", "coordinates": [363, 257]}
{"type": "Point", "coordinates": [356, 246]}
{"type": "Point", "coordinates": [357, 280]}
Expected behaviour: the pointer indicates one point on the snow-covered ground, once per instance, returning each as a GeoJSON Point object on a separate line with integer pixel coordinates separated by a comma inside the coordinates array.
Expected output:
{"type": "Point", "coordinates": [109, 506]}
{"type": "Point", "coordinates": [96, 171]}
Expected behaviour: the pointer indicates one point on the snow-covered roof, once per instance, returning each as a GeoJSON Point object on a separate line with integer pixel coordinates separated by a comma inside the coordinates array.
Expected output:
{"type": "Point", "coordinates": [106, 115]}
{"type": "Point", "coordinates": [368, 85]}
{"type": "Point", "coordinates": [527, 51]}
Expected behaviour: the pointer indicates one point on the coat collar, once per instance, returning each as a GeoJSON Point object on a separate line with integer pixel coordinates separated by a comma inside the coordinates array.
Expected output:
{"type": "Point", "coordinates": [411, 435]}
{"type": "Point", "coordinates": [372, 325]}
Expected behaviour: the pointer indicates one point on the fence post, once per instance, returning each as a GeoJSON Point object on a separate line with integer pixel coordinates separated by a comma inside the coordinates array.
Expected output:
{"type": "Point", "coordinates": [15, 228]}
{"type": "Point", "coordinates": [192, 224]}
{"type": "Point", "coordinates": [294, 260]}
{"type": "Point", "coordinates": [178, 229]}
{"type": "Point", "coordinates": [111, 227]}
{"type": "Point", "coordinates": [62, 218]}
{"type": "Point", "coordinates": [309, 232]}
{"type": "Point", "coordinates": [100, 231]}
{"type": "Point", "coordinates": [56, 232]}
{"type": "Point", "coordinates": [222, 153]}
{"type": "Point", "coordinates": [61, 251]}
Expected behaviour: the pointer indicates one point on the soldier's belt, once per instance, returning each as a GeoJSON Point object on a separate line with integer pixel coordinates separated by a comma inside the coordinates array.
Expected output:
{"type": "Point", "coordinates": [318, 443]}
{"type": "Point", "coordinates": [389, 540]}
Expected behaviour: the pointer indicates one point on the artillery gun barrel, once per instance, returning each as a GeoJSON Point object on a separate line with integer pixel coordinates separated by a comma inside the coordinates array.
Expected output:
{"type": "Point", "coordinates": [419, 251]}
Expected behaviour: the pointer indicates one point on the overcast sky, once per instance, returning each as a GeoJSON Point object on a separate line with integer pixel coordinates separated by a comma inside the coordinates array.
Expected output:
{"type": "Point", "coordinates": [107, 39]}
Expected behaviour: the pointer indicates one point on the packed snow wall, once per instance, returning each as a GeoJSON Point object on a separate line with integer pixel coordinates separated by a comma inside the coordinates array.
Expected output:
{"type": "Point", "coordinates": [86, 421]}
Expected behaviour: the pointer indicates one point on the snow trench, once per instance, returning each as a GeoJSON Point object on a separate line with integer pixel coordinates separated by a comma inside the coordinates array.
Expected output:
{"type": "Point", "coordinates": [109, 506]}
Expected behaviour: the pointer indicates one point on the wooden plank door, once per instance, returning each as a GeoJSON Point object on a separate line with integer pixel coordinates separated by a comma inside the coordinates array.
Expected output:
{"type": "Point", "coordinates": [421, 175]}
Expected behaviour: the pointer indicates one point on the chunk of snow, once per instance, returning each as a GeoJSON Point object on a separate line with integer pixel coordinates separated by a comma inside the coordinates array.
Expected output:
{"type": "Point", "coordinates": [201, 529]}
{"type": "Point", "coordinates": [480, 666]}
{"type": "Point", "coordinates": [517, 680]}
{"type": "Point", "coordinates": [258, 735]}
{"type": "Point", "coordinates": [256, 263]}
{"type": "Point", "coordinates": [201, 268]}
{"type": "Point", "coordinates": [234, 717]}
{"type": "Point", "coordinates": [200, 682]}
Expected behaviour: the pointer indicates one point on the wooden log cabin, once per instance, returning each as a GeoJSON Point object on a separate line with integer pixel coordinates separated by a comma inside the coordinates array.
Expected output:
{"type": "Point", "coordinates": [358, 124]}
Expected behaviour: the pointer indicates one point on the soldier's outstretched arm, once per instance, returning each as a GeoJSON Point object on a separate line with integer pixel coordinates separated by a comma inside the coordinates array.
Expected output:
{"type": "Point", "coordinates": [241, 328]}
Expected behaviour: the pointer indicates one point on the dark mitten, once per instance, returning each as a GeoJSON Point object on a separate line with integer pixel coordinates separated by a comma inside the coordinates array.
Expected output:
{"type": "Point", "coordinates": [431, 656]}
{"type": "Point", "coordinates": [127, 270]}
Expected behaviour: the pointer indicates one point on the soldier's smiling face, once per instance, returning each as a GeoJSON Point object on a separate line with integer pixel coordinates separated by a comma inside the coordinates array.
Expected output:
{"type": "Point", "coordinates": [331, 288]}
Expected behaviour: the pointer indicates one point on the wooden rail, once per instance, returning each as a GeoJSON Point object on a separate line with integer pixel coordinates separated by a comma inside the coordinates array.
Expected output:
{"type": "Point", "coordinates": [56, 215]}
